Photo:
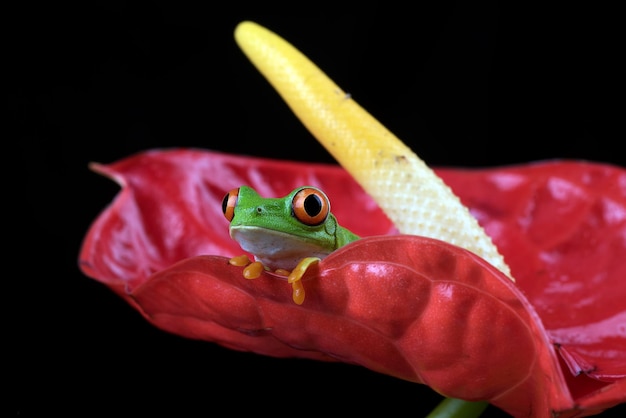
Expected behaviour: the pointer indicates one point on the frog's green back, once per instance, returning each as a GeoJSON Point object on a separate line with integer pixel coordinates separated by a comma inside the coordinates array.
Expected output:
{"type": "Point", "coordinates": [345, 236]}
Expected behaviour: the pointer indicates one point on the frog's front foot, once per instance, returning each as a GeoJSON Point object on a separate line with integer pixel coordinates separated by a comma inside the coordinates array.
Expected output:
{"type": "Point", "coordinates": [253, 269]}
{"type": "Point", "coordinates": [295, 278]}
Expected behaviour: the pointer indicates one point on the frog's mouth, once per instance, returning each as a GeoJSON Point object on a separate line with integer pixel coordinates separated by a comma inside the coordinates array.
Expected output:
{"type": "Point", "coordinates": [276, 249]}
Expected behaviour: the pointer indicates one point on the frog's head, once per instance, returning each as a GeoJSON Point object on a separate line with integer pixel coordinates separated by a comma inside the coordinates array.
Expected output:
{"type": "Point", "coordinates": [299, 223]}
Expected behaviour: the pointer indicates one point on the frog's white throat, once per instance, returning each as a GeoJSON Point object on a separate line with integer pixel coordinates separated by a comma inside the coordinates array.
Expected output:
{"type": "Point", "coordinates": [276, 249]}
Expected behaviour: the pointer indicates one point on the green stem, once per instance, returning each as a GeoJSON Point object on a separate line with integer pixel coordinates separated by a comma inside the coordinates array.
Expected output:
{"type": "Point", "coordinates": [456, 408]}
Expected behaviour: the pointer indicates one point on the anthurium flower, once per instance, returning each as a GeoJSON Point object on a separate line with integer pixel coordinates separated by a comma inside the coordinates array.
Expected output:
{"type": "Point", "coordinates": [420, 309]}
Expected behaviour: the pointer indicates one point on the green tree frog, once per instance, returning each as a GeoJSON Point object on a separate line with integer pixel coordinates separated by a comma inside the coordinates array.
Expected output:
{"type": "Point", "coordinates": [286, 235]}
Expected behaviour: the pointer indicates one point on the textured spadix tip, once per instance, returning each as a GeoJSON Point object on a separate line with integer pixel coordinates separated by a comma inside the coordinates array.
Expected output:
{"type": "Point", "coordinates": [416, 200]}
{"type": "Point", "coordinates": [246, 29]}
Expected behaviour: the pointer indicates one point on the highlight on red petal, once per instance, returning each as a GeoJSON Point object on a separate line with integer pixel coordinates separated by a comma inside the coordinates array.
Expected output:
{"type": "Point", "coordinates": [411, 307]}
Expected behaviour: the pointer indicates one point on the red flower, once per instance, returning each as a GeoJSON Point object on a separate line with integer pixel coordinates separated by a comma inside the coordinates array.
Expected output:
{"type": "Point", "coordinates": [412, 307]}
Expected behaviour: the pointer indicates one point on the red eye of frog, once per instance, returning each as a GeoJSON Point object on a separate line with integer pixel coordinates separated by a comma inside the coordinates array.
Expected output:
{"type": "Point", "coordinates": [310, 206]}
{"type": "Point", "coordinates": [229, 202]}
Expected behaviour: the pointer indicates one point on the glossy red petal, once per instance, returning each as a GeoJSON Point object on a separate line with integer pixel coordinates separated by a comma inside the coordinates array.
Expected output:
{"type": "Point", "coordinates": [411, 307]}
{"type": "Point", "coordinates": [407, 306]}
{"type": "Point", "coordinates": [562, 228]}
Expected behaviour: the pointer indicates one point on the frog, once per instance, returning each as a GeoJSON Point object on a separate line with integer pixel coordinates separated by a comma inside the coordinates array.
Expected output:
{"type": "Point", "coordinates": [286, 235]}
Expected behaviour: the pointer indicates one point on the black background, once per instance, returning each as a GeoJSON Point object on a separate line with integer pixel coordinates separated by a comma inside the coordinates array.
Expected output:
{"type": "Point", "coordinates": [463, 85]}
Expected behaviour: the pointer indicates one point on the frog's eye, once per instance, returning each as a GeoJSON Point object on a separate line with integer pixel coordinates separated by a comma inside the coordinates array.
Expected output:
{"type": "Point", "coordinates": [229, 203]}
{"type": "Point", "coordinates": [310, 206]}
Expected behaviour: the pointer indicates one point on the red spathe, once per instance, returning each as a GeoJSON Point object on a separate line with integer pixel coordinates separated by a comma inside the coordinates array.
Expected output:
{"type": "Point", "coordinates": [412, 307]}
